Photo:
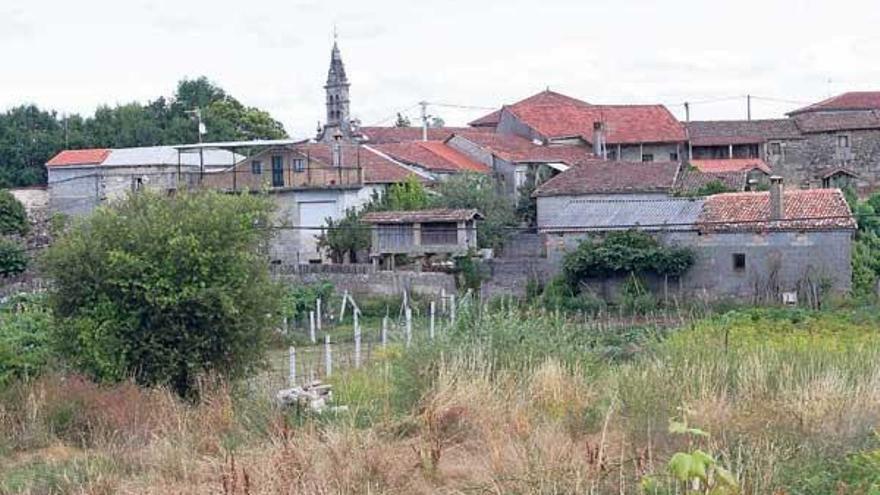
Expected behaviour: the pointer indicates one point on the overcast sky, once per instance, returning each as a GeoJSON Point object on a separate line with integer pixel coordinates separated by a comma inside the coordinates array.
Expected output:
{"type": "Point", "coordinates": [74, 55]}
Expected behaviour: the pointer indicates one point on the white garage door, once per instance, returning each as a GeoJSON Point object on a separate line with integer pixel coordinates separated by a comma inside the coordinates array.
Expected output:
{"type": "Point", "coordinates": [313, 214]}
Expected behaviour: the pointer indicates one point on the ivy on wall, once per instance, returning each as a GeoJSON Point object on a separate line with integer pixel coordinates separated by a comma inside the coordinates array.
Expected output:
{"type": "Point", "coordinates": [622, 253]}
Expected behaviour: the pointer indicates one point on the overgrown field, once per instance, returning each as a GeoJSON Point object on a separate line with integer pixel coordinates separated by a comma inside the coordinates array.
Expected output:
{"type": "Point", "coordinates": [510, 400]}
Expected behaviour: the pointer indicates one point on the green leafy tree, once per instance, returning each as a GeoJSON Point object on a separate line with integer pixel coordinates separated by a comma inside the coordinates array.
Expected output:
{"type": "Point", "coordinates": [13, 216]}
{"type": "Point", "coordinates": [866, 248]}
{"type": "Point", "coordinates": [407, 195]}
{"type": "Point", "coordinates": [344, 237]}
{"type": "Point", "coordinates": [480, 192]}
{"type": "Point", "coordinates": [25, 350]}
{"type": "Point", "coordinates": [165, 289]}
{"type": "Point", "coordinates": [29, 136]}
{"type": "Point", "coordinates": [526, 205]}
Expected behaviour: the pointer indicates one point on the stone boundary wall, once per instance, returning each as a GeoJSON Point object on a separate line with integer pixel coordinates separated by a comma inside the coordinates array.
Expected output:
{"type": "Point", "coordinates": [382, 283]}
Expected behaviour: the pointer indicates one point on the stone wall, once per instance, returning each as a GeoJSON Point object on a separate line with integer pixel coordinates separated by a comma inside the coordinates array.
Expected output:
{"type": "Point", "coordinates": [775, 262]}
{"type": "Point", "coordinates": [378, 283]}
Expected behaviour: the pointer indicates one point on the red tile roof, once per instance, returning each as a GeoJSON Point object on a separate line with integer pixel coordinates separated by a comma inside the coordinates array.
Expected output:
{"type": "Point", "coordinates": [624, 124]}
{"type": "Point", "coordinates": [379, 135]}
{"type": "Point", "coordinates": [518, 149]}
{"type": "Point", "coordinates": [79, 157]}
{"type": "Point", "coordinates": [611, 177]}
{"type": "Point", "coordinates": [435, 156]}
{"type": "Point", "coordinates": [731, 165]}
{"type": "Point", "coordinates": [543, 98]}
{"type": "Point", "coordinates": [814, 209]}
{"type": "Point", "coordinates": [378, 168]}
{"type": "Point", "coordinates": [419, 216]}
{"type": "Point", "coordinates": [854, 100]}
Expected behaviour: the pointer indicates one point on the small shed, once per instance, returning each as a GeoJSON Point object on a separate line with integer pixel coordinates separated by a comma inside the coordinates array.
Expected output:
{"type": "Point", "coordinates": [423, 232]}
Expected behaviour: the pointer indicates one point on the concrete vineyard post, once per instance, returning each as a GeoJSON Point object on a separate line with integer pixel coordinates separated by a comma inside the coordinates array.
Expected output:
{"type": "Point", "coordinates": [291, 376]}
{"type": "Point", "coordinates": [357, 341]}
{"type": "Point", "coordinates": [408, 313]}
{"type": "Point", "coordinates": [328, 357]}
{"type": "Point", "coordinates": [312, 327]}
{"type": "Point", "coordinates": [452, 309]}
{"type": "Point", "coordinates": [431, 324]}
{"type": "Point", "coordinates": [385, 331]}
{"type": "Point", "coordinates": [318, 313]}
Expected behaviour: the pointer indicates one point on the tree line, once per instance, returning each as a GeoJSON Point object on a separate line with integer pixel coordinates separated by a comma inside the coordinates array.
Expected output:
{"type": "Point", "coordinates": [30, 136]}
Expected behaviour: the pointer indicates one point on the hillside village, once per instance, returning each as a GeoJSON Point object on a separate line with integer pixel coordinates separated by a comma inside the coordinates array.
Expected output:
{"type": "Point", "coordinates": [760, 200]}
{"type": "Point", "coordinates": [562, 294]}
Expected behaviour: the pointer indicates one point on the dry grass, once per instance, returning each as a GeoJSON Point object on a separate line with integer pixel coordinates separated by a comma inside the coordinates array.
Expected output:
{"type": "Point", "coordinates": [549, 427]}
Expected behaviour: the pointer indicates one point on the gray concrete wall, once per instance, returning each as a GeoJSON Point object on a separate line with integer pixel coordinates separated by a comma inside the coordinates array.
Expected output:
{"type": "Point", "coordinates": [381, 283]}
{"type": "Point", "coordinates": [776, 262]}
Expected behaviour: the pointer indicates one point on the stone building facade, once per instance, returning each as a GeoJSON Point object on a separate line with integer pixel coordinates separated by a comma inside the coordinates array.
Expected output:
{"type": "Point", "coordinates": [834, 143]}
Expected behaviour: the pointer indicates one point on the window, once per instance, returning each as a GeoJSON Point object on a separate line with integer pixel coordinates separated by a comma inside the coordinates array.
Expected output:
{"type": "Point", "coordinates": [277, 171]}
{"type": "Point", "coordinates": [843, 141]}
{"type": "Point", "coordinates": [299, 165]}
{"type": "Point", "coordinates": [647, 157]}
{"type": "Point", "coordinates": [673, 157]}
{"type": "Point", "coordinates": [256, 167]}
{"type": "Point", "coordinates": [612, 154]}
{"type": "Point", "coordinates": [776, 148]}
{"type": "Point", "coordinates": [739, 262]}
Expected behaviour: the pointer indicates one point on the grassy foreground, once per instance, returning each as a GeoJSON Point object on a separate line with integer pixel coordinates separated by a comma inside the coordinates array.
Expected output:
{"type": "Point", "coordinates": [510, 401]}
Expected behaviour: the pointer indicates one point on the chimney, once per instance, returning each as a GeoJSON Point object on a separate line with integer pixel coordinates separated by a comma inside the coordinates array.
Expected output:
{"type": "Point", "coordinates": [599, 148]}
{"type": "Point", "coordinates": [336, 150]}
{"type": "Point", "coordinates": [777, 208]}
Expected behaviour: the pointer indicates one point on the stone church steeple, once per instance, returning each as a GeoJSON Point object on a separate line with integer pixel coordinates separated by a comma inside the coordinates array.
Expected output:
{"type": "Point", "coordinates": [338, 115]}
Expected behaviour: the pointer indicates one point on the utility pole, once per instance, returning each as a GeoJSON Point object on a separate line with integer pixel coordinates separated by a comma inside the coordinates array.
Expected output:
{"type": "Point", "coordinates": [201, 130]}
{"type": "Point", "coordinates": [687, 112]}
{"type": "Point", "coordinates": [424, 105]}
{"type": "Point", "coordinates": [749, 107]}
{"type": "Point", "coordinates": [687, 119]}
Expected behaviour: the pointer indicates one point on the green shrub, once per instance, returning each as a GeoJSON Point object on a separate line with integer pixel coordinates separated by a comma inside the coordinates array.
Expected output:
{"type": "Point", "coordinates": [13, 216]}
{"type": "Point", "coordinates": [13, 259]}
{"type": "Point", "coordinates": [623, 253]}
{"type": "Point", "coordinates": [165, 289]}
{"type": "Point", "coordinates": [25, 326]}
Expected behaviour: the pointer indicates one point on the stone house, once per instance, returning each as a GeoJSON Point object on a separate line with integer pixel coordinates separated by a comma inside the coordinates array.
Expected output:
{"type": "Point", "coordinates": [833, 143]}
{"type": "Point", "coordinates": [754, 246]}
{"type": "Point", "coordinates": [422, 234]}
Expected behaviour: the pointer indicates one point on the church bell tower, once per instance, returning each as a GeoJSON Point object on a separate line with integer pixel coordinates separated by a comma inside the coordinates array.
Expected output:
{"type": "Point", "coordinates": [338, 122]}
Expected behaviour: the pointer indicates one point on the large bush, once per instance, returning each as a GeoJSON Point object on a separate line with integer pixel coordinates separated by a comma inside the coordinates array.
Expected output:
{"type": "Point", "coordinates": [480, 192]}
{"type": "Point", "coordinates": [164, 289]}
{"type": "Point", "coordinates": [25, 325]}
{"type": "Point", "coordinates": [13, 217]}
{"type": "Point", "coordinates": [624, 253]}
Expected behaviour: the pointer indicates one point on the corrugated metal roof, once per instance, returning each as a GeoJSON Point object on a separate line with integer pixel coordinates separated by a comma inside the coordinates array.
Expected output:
{"type": "Point", "coordinates": [168, 155]}
{"type": "Point", "coordinates": [584, 215]}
